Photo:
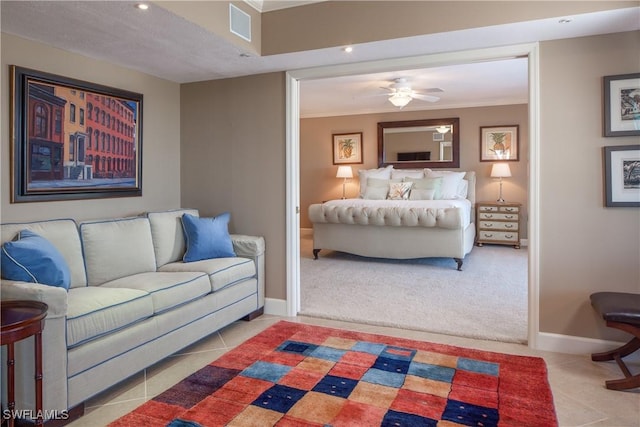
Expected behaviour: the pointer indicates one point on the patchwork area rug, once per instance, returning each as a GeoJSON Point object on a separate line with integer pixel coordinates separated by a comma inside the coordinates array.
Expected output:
{"type": "Point", "coordinates": [293, 374]}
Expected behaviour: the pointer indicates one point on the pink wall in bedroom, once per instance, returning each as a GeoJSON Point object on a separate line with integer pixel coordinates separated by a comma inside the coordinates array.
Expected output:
{"type": "Point", "coordinates": [317, 171]}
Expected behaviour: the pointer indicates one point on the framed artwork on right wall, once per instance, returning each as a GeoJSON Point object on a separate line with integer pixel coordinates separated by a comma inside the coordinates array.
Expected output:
{"type": "Point", "coordinates": [622, 176]}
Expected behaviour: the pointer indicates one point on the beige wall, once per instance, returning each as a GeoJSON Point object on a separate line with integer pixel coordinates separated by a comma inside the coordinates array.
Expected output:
{"type": "Point", "coordinates": [584, 246]}
{"type": "Point", "coordinates": [233, 159]}
{"type": "Point", "coordinates": [161, 134]}
{"type": "Point", "coordinates": [318, 180]}
{"type": "Point", "coordinates": [339, 23]}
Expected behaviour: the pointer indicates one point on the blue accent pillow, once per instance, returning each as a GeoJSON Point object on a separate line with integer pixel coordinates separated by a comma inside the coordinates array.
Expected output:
{"type": "Point", "coordinates": [32, 258]}
{"type": "Point", "coordinates": [207, 238]}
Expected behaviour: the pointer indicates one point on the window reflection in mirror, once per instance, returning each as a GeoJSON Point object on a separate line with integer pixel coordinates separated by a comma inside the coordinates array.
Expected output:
{"type": "Point", "coordinates": [419, 143]}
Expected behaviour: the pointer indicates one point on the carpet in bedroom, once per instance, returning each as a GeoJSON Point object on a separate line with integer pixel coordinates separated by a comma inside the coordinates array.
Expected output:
{"type": "Point", "coordinates": [294, 374]}
{"type": "Point", "coordinates": [487, 300]}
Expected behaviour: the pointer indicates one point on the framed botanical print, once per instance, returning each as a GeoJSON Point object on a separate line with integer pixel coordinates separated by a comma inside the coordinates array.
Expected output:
{"type": "Point", "coordinates": [347, 148]}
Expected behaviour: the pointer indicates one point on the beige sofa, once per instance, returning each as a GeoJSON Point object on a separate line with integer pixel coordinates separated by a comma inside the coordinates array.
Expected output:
{"type": "Point", "coordinates": [131, 302]}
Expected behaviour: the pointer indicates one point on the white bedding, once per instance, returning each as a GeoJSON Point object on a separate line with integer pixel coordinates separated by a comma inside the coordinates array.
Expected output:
{"type": "Point", "coordinates": [464, 204]}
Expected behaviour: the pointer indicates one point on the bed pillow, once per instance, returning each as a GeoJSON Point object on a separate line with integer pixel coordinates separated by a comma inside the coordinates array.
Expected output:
{"type": "Point", "coordinates": [207, 238]}
{"type": "Point", "coordinates": [450, 182]}
{"type": "Point", "coordinates": [407, 173]}
{"type": "Point", "coordinates": [380, 173]}
{"type": "Point", "coordinates": [378, 189]}
{"type": "Point", "coordinates": [463, 189]}
{"type": "Point", "coordinates": [399, 190]}
{"type": "Point", "coordinates": [425, 188]}
{"type": "Point", "coordinates": [32, 258]}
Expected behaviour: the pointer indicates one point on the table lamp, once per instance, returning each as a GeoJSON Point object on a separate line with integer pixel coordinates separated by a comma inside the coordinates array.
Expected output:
{"type": "Point", "coordinates": [344, 172]}
{"type": "Point", "coordinates": [500, 170]}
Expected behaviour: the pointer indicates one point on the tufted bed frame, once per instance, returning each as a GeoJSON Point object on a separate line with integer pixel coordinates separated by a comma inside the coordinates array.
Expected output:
{"type": "Point", "coordinates": [395, 233]}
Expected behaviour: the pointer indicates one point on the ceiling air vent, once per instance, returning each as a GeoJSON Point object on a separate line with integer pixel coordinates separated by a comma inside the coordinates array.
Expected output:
{"type": "Point", "coordinates": [240, 23]}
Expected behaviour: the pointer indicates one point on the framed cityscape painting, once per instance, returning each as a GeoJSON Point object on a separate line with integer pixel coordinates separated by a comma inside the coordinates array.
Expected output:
{"type": "Point", "coordinates": [73, 139]}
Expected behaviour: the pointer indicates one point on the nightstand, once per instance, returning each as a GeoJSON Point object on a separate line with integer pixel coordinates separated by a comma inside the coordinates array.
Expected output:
{"type": "Point", "coordinates": [498, 223]}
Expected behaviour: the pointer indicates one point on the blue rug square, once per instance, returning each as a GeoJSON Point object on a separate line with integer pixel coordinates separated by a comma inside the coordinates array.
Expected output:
{"type": "Point", "coordinates": [295, 347]}
{"type": "Point", "coordinates": [336, 386]}
{"type": "Point", "coordinates": [403, 419]}
{"type": "Point", "coordinates": [479, 366]}
{"type": "Point", "coordinates": [279, 398]}
{"type": "Point", "coordinates": [390, 379]}
{"type": "Point", "coordinates": [266, 371]}
{"type": "Point", "coordinates": [432, 372]}
{"type": "Point", "coordinates": [468, 414]}
{"type": "Point", "coordinates": [328, 353]}
{"type": "Point", "coordinates": [369, 347]}
{"type": "Point", "coordinates": [392, 365]}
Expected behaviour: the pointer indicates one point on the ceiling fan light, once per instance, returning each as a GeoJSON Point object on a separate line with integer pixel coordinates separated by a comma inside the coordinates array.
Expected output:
{"type": "Point", "coordinates": [400, 99]}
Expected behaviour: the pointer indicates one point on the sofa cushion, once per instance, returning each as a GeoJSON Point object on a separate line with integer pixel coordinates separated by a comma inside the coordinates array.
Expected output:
{"type": "Point", "coordinates": [207, 237]}
{"type": "Point", "coordinates": [63, 234]}
{"type": "Point", "coordinates": [95, 311]}
{"type": "Point", "coordinates": [32, 258]}
{"type": "Point", "coordinates": [167, 290]}
{"type": "Point", "coordinates": [222, 272]}
{"type": "Point", "coordinates": [117, 248]}
{"type": "Point", "coordinates": [168, 237]}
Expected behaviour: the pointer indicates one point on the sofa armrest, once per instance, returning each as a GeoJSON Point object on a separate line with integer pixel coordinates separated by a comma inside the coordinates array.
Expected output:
{"type": "Point", "coordinates": [252, 247]}
{"type": "Point", "coordinates": [53, 296]}
{"type": "Point", "coordinates": [247, 246]}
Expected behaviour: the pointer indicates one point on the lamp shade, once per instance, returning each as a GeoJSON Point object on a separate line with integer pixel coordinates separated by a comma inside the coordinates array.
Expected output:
{"type": "Point", "coordinates": [500, 170]}
{"type": "Point", "coordinates": [400, 99]}
{"type": "Point", "coordinates": [344, 172]}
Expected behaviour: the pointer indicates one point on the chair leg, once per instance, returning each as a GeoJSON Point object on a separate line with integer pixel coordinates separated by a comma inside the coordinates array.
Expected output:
{"type": "Point", "coordinates": [622, 351]}
{"type": "Point", "coordinates": [629, 381]}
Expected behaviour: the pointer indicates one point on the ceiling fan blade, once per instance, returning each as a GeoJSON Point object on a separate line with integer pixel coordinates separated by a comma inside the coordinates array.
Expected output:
{"type": "Point", "coordinates": [428, 98]}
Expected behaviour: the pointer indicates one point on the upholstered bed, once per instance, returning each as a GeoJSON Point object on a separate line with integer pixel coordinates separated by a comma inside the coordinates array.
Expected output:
{"type": "Point", "coordinates": [427, 225]}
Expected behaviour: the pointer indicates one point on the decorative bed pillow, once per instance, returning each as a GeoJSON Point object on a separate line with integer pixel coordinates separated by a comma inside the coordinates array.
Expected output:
{"type": "Point", "coordinates": [425, 188]}
{"type": "Point", "coordinates": [399, 190]}
{"type": "Point", "coordinates": [32, 258]}
{"type": "Point", "coordinates": [450, 182]}
{"type": "Point", "coordinates": [380, 173]}
{"type": "Point", "coordinates": [422, 194]}
{"type": "Point", "coordinates": [207, 238]}
{"type": "Point", "coordinates": [378, 189]}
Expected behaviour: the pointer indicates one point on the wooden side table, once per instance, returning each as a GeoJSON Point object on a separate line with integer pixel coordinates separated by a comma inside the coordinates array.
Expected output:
{"type": "Point", "coordinates": [498, 223]}
{"type": "Point", "coordinates": [20, 320]}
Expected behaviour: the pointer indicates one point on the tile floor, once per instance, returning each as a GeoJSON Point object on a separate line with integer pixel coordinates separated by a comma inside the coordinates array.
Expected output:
{"type": "Point", "coordinates": [576, 381]}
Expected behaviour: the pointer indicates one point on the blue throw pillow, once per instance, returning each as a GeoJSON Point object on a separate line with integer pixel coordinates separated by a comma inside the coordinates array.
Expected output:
{"type": "Point", "coordinates": [32, 258]}
{"type": "Point", "coordinates": [207, 237]}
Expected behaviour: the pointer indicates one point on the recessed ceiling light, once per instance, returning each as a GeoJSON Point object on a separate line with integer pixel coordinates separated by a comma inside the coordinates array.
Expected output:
{"type": "Point", "coordinates": [565, 20]}
{"type": "Point", "coordinates": [142, 6]}
{"type": "Point", "coordinates": [348, 49]}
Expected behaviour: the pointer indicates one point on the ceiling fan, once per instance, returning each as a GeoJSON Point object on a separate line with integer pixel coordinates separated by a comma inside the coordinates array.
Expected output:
{"type": "Point", "coordinates": [400, 93]}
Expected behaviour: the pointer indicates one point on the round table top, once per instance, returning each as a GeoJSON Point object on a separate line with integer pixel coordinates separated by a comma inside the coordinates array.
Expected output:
{"type": "Point", "coordinates": [15, 313]}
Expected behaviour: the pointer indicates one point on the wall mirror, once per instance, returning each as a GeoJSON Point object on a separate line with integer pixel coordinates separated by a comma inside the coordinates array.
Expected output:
{"type": "Point", "coordinates": [433, 143]}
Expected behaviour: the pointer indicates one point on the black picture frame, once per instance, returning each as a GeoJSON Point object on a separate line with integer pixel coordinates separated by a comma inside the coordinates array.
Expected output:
{"type": "Point", "coordinates": [621, 105]}
{"type": "Point", "coordinates": [622, 175]}
{"type": "Point", "coordinates": [72, 139]}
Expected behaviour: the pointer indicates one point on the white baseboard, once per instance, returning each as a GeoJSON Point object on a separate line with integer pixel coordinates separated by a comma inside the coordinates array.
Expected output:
{"type": "Point", "coordinates": [573, 345]}
{"type": "Point", "coordinates": [275, 307]}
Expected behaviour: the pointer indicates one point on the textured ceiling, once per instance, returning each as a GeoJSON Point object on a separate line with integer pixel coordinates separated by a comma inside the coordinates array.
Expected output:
{"type": "Point", "coordinates": [160, 43]}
